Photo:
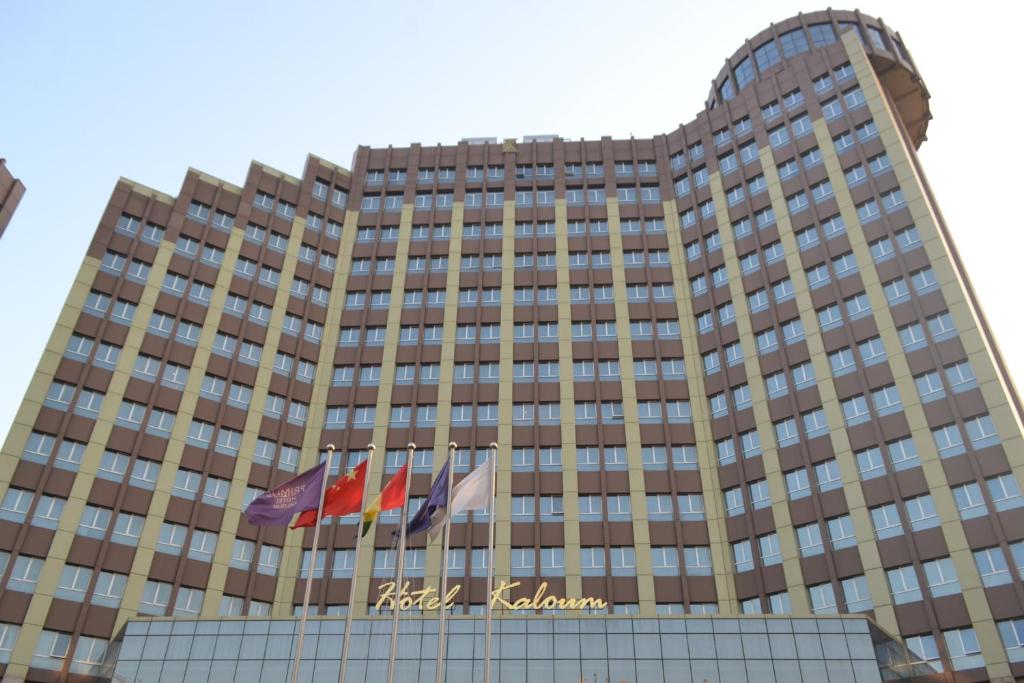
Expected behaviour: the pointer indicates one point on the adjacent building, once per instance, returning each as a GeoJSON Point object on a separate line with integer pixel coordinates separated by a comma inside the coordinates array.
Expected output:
{"type": "Point", "coordinates": [11, 192]}
{"type": "Point", "coordinates": [736, 369]}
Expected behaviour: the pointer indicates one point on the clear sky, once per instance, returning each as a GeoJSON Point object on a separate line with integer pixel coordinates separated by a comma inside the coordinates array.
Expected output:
{"type": "Point", "coordinates": [91, 91]}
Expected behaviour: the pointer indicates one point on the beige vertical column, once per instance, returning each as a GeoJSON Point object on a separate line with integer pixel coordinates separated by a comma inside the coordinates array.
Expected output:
{"type": "Point", "coordinates": [442, 431]}
{"type": "Point", "coordinates": [567, 407]}
{"type": "Point", "coordinates": [30, 406]}
{"type": "Point", "coordinates": [28, 411]}
{"type": "Point", "coordinates": [503, 494]}
{"type": "Point", "coordinates": [383, 415]}
{"type": "Point", "coordinates": [64, 536]}
{"type": "Point", "coordinates": [634, 455]}
{"type": "Point", "coordinates": [291, 554]}
{"type": "Point", "coordinates": [952, 283]}
{"type": "Point", "coordinates": [859, 515]}
{"type": "Point", "coordinates": [707, 459]}
{"type": "Point", "coordinates": [250, 434]}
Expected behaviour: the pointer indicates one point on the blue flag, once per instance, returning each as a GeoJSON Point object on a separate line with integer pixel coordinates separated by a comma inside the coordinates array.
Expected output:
{"type": "Point", "coordinates": [279, 504]}
{"type": "Point", "coordinates": [426, 516]}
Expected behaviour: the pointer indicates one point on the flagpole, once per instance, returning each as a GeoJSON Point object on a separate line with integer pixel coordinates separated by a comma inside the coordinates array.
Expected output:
{"type": "Point", "coordinates": [439, 668]}
{"type": "Point", "coordinates": [312, 565]}
{"type": "Point", "coordinates": [370, 451]}
{"type": "Point", "coordinates": [490, 564]}
{"type": "Point", "coordinates": [396, 607]}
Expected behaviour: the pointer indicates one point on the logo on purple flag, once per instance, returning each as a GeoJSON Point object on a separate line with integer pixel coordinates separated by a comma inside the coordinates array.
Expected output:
{"type": "Point", "coordinates": [279, 504]}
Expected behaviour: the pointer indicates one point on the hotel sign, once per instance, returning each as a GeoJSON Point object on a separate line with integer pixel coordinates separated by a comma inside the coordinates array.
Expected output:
{"type": "Point", "coordinates": [427, 598]}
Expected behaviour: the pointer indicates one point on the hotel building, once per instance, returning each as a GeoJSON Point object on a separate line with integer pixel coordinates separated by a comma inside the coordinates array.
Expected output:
{"type": "Point", "coordinates": [733, 370]}
{"type": "Point", "coordinates": [11, 192]}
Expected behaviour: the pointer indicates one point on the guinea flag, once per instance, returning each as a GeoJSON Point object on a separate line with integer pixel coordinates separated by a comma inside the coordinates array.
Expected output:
{"type": "Point", "coordinates": [391, 496]}
{"type": "Point", "coordinates": [344, 497]}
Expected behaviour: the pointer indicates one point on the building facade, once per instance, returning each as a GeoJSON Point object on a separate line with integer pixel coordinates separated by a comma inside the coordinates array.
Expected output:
{"type": "Point", "coordinates": [733, 369]}
{"type": "Point", "coordinates": [11, 192]}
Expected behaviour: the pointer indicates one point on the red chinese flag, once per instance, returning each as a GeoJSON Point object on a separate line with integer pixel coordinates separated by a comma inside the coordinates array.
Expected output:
{"type": "Point", "coordinates": [343, 497]}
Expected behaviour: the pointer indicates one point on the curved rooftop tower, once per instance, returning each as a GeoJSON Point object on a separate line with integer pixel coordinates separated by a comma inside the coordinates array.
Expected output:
{"type": "Point", "coordinates": [736, 369]}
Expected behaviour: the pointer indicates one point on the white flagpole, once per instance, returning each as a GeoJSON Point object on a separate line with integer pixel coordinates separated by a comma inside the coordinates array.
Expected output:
{"type": "Point", "coordinates": [490, 563]}
{"type": "Point", "coordinates": [441, 627]}
{"type": "Point", "coordinates": [396, 607]}
{"type": "Point", "coordinates": [370, 451]}
{"type": "Point", "coordinates": [312, 565]}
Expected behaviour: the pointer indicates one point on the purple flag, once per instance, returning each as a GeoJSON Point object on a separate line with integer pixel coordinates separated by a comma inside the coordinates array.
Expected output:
{"type": "Point", "coordinates": [437, 498]}
{"type": "Point", "coordinates": [279, 504]}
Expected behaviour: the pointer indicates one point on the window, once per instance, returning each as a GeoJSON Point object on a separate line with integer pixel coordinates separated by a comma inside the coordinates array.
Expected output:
{"type": "Point", "coordinates": [827, 474]}
{"type": "Point", "coordinates": [786, 433]}
{"type": "Point", "coordinates": [809, 540]}
{"type": "Point", "coordinates": [840, 532]}
{"type": "Point", "coordinates": [879, 164]}
{"type": "Point", "coordinates": [109, 589]}
{"type": "Point", "coordinates": [144, 474]}
{"type": "Point", "coordinates": [189, 602]}
{"type": "Point", "coordinates": [798, 485]}
{"type": "Point", "coordinates": [886, 399]}
{"type": "Point", "coordinates": [48, 511]}
{"type": "Point", "coordinates": [697, 560]}
{"type": "Point", "coordinates": [130, 414]}
{"type": "Point", "coordinates": [52, 649]}
{"type": "Point", "coordinates": [750, 444]}
{"type": "Point", "coordinates": [1012, 633]}
{"type": "Point", "coordinates": [941, 327]}
{"type": "Point", "coordinates": [691, 507]}
{"type": "Point", "coordinates": [921, 512]}
{"type": "Point", "coordinates": [623, 561]}
{"type": "Point", "coordinates": [856, 595]}
{"type": "Point", "coordinates": [818, 276]}
{"type": "Point", "coordinates": [855, 410]}
{"type": "Point", "coordinates": [903, 585]}
{"type": "Point", "coordinates": [912, 337]}
{"type": "Point", "coordinates": [202, 545]}
{"type": "Point", "coordinates": [766, 56]}
{"type": "Point", "coordinates": [40, 446]}
{"type": "Point", "coordinates": [711, 362]}
{"type": "Point", "coordinates": [903, 454]}
{"type": "Point", "coordinates": [156, 596]}
{"type": "Point", "coordinates": [782, 290]}
{"type": "Point", "coordinates": [981, 432]}
{"type": "Point", "coordinates": [726, 449]}
{"type": "Point", "coordinates": [941, 578]}
{"type": "Point", "coordinates": [25, 574]}
{"type": "Point", "coordinates": [88, 404]}
{"type": "Point", "coordinates": [1005, 492]}
{"type": "Point", "coordinates": [992, 567]}
{"type": "Point", "coordinates": [778, 136]}
{"type": "Point", "coordinates": [759, 496]}
{"type": "Point", "coordinates": [127, 529]}
{"type": "Point", "coordinates": [960, 377]}
{"type": "Point", "coordinates": [771, 552]}
{"type": "Point", "coordinates": [969, 501]}
{"type": "Point", "coordinates": [733, 501]}
{"type": "Point", "coordinates": [93, 524]}
{"type": "Point", "coordinates": [886, 520]}
{"type": "Point", "coordinates": [665, 561]}
{"type": "Point", "coordinates": [963, 648]}
{"type": "Point", "coordinates": [552, 561]}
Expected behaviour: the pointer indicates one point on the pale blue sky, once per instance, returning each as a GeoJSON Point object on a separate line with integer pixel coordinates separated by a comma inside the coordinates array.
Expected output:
{"type": "Point", "coordinates": [92, 91]}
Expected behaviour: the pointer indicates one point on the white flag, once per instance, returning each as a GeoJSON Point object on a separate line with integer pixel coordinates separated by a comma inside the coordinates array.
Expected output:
{"type": "Point", "coordinates": [472, 493]}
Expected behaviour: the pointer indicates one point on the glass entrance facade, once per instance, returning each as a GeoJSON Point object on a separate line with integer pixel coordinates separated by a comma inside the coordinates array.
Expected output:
{"type": "Point", "coordinates": [847, 649]}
